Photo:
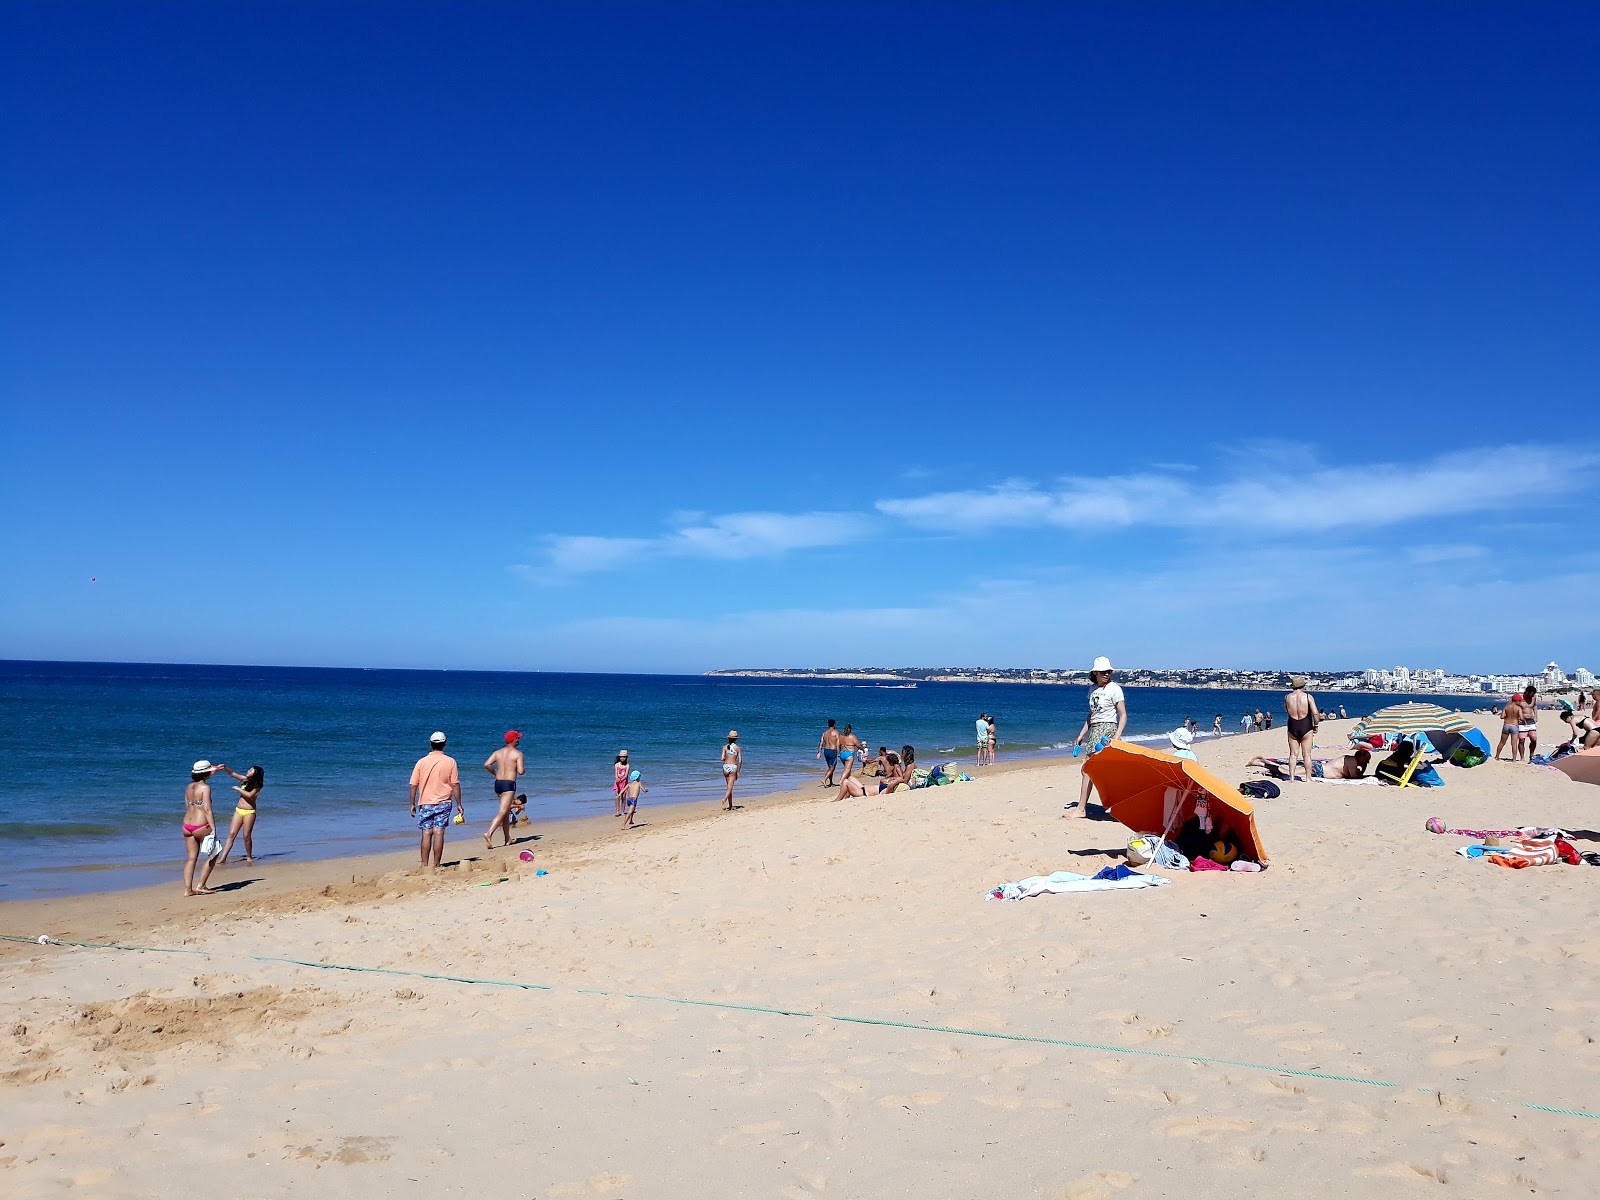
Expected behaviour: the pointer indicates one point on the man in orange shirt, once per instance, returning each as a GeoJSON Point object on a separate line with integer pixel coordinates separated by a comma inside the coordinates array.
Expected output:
{"type": "Point", "coordinates": [435, 784]}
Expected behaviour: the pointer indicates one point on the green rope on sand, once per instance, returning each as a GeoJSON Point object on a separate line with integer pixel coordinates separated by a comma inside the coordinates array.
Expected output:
{"type": "Point", "coordinates": [1067, 1043]}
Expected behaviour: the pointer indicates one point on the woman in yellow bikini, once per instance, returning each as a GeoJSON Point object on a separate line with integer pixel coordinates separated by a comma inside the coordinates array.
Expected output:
{"type": "Point", "coordinates": [244, 816]}
{"type": "Point", "coordinates": [197, 824]}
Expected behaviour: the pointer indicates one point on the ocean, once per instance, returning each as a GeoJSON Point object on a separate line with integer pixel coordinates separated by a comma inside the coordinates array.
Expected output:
{"type": "Point", "coordinates": [94, 757]}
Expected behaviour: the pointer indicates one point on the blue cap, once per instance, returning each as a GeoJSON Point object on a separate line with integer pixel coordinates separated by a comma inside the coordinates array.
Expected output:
{"type": "Point", "coordinates": [633, 777]}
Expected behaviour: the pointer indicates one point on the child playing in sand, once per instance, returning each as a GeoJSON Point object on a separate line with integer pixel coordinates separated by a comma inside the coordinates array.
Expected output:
{"type": "Point", "coordinates": [630, 799]}
{"type": "Point", "coordinates": [519, 809]}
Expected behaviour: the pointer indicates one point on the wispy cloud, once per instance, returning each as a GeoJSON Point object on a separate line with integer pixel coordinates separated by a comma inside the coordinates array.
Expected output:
{"type": "Point", "coordinates": [1446, 553]}
{"type": "Point", "coordinates": [729, 537]}
{"type": "Point", "coordinates": [1269, 494]}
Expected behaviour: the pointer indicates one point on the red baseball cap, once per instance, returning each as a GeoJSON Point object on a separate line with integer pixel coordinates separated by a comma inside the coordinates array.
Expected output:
{"type": "Point", "coordinates": [511, 736]}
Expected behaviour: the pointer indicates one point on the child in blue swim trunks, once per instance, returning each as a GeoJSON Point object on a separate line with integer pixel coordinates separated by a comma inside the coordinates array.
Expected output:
{"type": "Point", "coordinates": [630, 799]}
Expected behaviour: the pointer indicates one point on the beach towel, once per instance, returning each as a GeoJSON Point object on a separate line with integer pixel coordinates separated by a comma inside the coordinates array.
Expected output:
{"type": "Point", "coordinates": [1068, 881]}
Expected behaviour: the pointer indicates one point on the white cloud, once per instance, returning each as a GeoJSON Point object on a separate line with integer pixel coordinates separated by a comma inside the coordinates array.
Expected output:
{"type": "Point", "coordinates": [1446, 553]}
{"type": "Point", "coordinates": [731, 536]}
{"type": "Point", "coordinates": [1278, 491]}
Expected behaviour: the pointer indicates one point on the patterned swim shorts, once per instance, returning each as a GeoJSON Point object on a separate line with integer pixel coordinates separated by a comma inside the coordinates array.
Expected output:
{"type": "Point", "coordinates": [1097, 731]}
{"type": "Point", "coordinates": [434, 816]}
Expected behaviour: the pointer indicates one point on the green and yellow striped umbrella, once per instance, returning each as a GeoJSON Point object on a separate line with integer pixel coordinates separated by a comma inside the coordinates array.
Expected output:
{"type": "Point", "coordinates": [1410, 720]}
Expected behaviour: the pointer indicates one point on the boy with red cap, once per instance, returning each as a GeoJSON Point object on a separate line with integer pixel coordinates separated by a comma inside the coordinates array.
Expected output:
{"type": "Point", "coordinates": [505, 764]}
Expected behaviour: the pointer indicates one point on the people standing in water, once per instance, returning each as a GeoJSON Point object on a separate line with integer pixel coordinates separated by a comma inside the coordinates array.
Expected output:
{"type": "Point", "coordinates": [850, 748]}
{"type": "Point", "coordinates": [828, 750]}
{"type": "Point", "coordinates": [1301, 709]}
{"type": "Point", "coordinates": [732, 764]}
{"type": "Point", "coordinates": [1216, 726]}
{"type": "Point", "coordinates": [631, 789]}
{"type": "Point", "coordinates": [619, 778]}
{"type": "Point", "coordinates": [1108, 717]}
{"type": "Point", "coordinates": [994, 740]}
{"type": "Point", "coordinates": [435, 787]}
{"type": "Point", "coordinates": [244, 815]}
{"type": "Point", "coordinates": [983, 738]}
{"type": "Point", "coordinates": [505, 764]}
{"type": "Point", "coordinates": [197, 824]}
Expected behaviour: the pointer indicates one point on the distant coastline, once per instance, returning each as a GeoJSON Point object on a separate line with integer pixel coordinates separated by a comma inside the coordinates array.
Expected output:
{"type": "Point", "coordinates": [1213, 679]}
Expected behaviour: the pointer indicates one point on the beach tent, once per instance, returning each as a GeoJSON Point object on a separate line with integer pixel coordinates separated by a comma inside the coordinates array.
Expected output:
{"type": "Point", "coordinates": [1408, 720]}
{"type": "Point", "coordinates": [1152, 792]}
{"type": "Point", "coordinates": [1584, 766]}
{"type": "Point", "coordinates": [1451, 742]}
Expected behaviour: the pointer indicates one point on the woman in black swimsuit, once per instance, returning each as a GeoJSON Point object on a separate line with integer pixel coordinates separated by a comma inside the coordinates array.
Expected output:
{"type": "Point", "coordinates": [1303, 716]}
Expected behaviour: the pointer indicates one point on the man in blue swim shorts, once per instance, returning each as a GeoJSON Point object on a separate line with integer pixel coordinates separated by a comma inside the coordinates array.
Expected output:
{"type": "Point", "coordinates": [435, 789]}
{"type": "Point", "coordinates": [828, 749]}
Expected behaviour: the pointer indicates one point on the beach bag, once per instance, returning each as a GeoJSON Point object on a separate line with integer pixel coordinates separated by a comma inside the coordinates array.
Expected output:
{"type": "Point", "coordinates": [1260, 789]}
{"type": "Point", "coordinates": [1426, 776]}
{"type": "Point", "coordinates": [1154, 851]}
{"type": "Point", "coordinates": [1468, 756]}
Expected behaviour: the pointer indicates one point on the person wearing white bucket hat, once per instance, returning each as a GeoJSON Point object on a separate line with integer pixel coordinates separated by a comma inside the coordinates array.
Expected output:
{"type": "Point", "coordinates": [198, 825]}
{"type": "Point", "coordinates": [1108, 717]}
{"type": "Point", "coordinates": [1183, 744]}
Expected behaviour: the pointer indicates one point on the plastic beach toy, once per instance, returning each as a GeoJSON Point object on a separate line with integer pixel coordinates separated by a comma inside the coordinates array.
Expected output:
{"type": "Point", "coordinates": [526, 856]}
{"type": "Point", "coordinates": [541, 871]}
{"type": "Point", "coordinates": [460, 819]}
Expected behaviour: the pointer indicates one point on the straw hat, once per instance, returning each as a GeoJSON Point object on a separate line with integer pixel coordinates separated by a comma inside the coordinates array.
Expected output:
{"type": "Point", "coordinates": [733, 735]}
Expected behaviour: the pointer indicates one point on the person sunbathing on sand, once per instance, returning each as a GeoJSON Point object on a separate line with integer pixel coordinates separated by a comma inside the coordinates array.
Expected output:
{"type": "Point", "coordinates": [1351, 766]}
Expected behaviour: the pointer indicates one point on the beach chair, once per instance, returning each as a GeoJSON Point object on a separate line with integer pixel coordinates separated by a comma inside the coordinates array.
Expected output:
{"type": "Point", "coordinates": [1404, 778]}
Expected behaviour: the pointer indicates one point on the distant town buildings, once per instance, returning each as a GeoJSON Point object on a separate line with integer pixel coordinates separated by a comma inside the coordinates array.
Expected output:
{"type": "Point", "coordinates": [1400, 679]}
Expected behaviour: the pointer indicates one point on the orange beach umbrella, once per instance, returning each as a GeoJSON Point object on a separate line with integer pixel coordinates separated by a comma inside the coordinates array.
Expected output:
{"type": "Point", "coordinates": [1152, 792]}
{"type": "Point", "coordinates": [1584, 766]}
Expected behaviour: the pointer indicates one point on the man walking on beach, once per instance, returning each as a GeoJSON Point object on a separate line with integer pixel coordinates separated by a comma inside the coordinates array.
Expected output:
{"type": "Point", "coordinates": [435, 783]}
{"type": "Point", "coordinates": [505, 764]}
{"type": "Point", "coordinates": [828, 749]}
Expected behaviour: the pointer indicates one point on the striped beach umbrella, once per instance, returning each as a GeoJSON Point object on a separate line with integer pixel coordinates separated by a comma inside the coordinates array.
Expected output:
{"type": "Point", "coordinates": [1408, 720]}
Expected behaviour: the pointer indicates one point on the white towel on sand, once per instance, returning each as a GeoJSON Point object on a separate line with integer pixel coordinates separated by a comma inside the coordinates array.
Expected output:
{"type": "Point", "coordinates": [1066, 881]}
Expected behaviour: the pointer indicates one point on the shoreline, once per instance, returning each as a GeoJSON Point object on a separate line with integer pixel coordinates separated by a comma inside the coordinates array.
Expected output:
{"type": "Point", "coordinates": [92, 915]}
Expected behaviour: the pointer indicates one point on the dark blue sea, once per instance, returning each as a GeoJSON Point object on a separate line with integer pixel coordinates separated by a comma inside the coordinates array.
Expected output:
{"type": "Point", "coordinates": [94, 757]}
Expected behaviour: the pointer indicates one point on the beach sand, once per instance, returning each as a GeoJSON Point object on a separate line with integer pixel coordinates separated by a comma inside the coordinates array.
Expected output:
{"type": "Point", "coordinates": [807, 998]}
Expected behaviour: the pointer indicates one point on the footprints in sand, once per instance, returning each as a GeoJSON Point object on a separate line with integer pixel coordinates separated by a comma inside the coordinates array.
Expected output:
{"type": "Point", "coordinates": [1099, 1185]}
{"type": "Point", "coordinates": [595, 1185]}
{"type": "Point", "coordinates": [347, 1151]}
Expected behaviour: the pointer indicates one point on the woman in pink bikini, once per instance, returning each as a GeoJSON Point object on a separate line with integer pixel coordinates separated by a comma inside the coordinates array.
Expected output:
{"type": "Point", "coordinates": [197, 824]}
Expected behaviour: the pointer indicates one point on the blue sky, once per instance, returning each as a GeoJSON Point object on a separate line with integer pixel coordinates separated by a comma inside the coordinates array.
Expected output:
{"type": "Point", "coordinates": [667, 337]}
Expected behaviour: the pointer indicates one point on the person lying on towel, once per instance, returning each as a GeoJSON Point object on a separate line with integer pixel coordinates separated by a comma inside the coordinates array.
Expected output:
{"type": "Point", "coordinates": [1351, 766]}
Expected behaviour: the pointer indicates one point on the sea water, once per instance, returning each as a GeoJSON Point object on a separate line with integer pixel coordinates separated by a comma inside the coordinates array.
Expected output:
{"type": "Point", "coordinates": [94, 757]}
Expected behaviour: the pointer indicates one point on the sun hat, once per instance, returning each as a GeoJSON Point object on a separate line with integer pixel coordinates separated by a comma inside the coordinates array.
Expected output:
{"type": "Point", "coordinates": [1100, 664]}
{"type": "Point", "coordinates": [622, 754]}
{"type": "Point", "coordinates": [733, 735]}
{"type": "Point", "coordinates": [511, 736]}
{"type": "Point", "coordinates": [436, 738]}
{"type": "Point", "coordinates": [203, 765]}
{"type": "Point", "coordinates": [1181, 738]}
{"type": "Point", "coordinates": [1298, 682]}
{"type": "Point", "coordinates": [633, 777]}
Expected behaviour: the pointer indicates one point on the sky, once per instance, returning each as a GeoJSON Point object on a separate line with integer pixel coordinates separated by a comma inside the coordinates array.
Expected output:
{"type": "Point", "coordinates": [668, 337]}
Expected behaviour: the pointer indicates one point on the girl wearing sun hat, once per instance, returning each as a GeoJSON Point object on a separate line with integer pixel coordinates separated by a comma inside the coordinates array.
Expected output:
{"type": "Point", "coordinates": [732, 763]}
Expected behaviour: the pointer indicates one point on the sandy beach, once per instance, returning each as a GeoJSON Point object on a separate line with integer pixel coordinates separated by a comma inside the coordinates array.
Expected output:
{"type": "Point", "coordinates": [809, 998]}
